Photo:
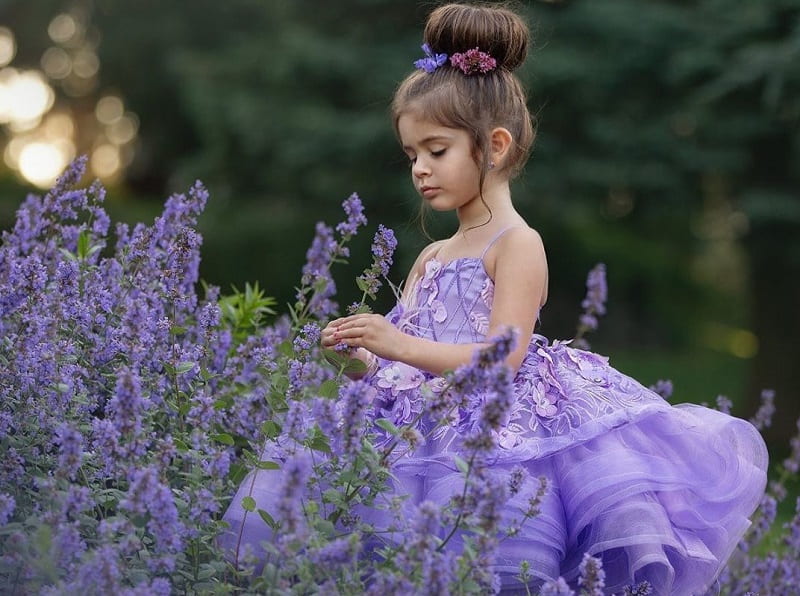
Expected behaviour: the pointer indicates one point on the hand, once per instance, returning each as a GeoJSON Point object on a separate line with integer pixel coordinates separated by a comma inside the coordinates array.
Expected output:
{"type": "Point", "coordinates": [369, 331]}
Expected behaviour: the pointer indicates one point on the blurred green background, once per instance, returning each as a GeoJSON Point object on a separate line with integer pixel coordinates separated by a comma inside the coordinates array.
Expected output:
{"type": "Point", "coordinates": [668, 148]}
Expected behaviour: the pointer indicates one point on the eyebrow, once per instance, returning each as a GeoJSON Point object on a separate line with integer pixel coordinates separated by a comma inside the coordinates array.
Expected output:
{"type": "Point", "coordinates": [430, 139]}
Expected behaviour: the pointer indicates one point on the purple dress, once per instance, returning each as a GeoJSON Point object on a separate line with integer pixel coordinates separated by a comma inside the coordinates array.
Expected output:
{"type": "Point", "coordinates": [658, 492]}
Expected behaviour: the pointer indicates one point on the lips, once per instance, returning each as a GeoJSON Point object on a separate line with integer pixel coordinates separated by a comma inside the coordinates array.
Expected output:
{"type": "Point", "coordinates": [429, 191]}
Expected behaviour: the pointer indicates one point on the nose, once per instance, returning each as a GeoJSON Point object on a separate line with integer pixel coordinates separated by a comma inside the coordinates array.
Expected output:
{"type": "Point", "coordinates": [420, 169]}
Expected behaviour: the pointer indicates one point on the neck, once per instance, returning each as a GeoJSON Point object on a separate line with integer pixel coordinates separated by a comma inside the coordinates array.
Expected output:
{"type": "Point", "coordinates": [496, 197]}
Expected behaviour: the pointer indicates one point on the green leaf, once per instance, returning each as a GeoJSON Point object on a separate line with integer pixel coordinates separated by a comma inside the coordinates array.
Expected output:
{"type": "Point", "coordinates": [388, 426]}
{"type": "Point", "coordinates": [224, 438]}
{"type": "Point", "coordinates": [462, 465]}
{"type": "Point", "coordinates": [329, 389]}
{"type": "Point", "coordinates": [355, 366]}
{"type": "Point", "coordinates": [184, 367]}
{"type": "Point", "coordinates": [69, 256]}
{"type": "Point", "coordinates": [268, 518]}
{"type": "Point", "coordinates": [325, 527]}
{"type": "Point", "coordinates": [363, 309]}
{"type": "Point", "coordinates": [362, 284]}
{"type": "Point", "coordinates": [333, 496]}
{"type": "Point", "coordinates": [83, 244]}
{"type": "Point", "coordinates": [267, 465]}
{"type": "Point", "coordinates": [249, 504]}
{"type": "Point", "coordinates": [223, 403]}
{"type": "Point", "coordinates": [271, 429]}
{"type": "Point", "coordinates": [318, 443]}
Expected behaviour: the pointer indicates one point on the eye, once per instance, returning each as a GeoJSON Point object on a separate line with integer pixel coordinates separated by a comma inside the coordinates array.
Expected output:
{"type": "Point", "coordinates": [411, 161]}
{"type": "Point", "coordinates": [438, 153]}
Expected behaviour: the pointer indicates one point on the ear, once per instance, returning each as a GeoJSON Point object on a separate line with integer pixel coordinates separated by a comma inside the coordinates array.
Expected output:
{"type": "Point", "coordinates": [500, 142]}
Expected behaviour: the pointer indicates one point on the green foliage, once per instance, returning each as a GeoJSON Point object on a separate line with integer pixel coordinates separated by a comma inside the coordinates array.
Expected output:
{"type": "Point", "coordinates": [245, 311]}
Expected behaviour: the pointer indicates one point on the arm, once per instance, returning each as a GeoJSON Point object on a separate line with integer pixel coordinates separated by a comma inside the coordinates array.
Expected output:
{"type": "Point", "coordinates": [520, 276]}
{"type": "Point", "coordinates": [368, 357]}
{"type": "Point", "coordinates": [519, 269]}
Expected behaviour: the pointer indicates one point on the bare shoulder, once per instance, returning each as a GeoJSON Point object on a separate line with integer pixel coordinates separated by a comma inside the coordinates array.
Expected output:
{"type": "Point", "coordinates": [518, 244]}
{"type": "Point", "coordinates": [519, 259]}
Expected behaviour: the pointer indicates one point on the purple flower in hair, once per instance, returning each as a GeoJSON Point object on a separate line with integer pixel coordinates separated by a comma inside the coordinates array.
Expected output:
{"type": "Point", "coordinates": [431, 61]}
{"type": "Point", "coordinates": [473, 62]}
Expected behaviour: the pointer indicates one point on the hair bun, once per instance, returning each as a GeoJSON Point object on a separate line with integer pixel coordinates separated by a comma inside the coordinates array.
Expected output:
{"type": "Point", "coordinates": [498, 31]}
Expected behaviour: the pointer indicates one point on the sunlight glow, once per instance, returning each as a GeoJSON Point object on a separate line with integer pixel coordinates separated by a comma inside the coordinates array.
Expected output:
{"type": "Point", "coordinates": [24, 96]}
{"type": "Point", "coordinates": [41, 163]}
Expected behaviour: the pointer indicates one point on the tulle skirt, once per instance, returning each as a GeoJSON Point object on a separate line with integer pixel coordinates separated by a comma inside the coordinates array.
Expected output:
{"type": "Point", "coordinates": [658, 492]}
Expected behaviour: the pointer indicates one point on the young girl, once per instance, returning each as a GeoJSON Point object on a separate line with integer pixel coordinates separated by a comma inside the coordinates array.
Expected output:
{"type": "Point", "coordinates": [659, 493]}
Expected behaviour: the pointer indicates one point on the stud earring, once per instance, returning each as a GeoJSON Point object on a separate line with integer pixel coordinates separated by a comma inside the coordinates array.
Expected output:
{"type": "Point", "coordinates": [491, 165]}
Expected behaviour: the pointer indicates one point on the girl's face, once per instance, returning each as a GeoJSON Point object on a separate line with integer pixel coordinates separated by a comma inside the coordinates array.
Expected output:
{"type": "Point", "coordinates": [443, 169]}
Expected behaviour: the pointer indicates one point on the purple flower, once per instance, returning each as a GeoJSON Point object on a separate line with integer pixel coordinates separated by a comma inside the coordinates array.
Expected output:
{"type": "Point", "coordinates": [296, 422]}
{"type": "Point", "coordinates": [792, 463]}
{"type": "Point", "coordinates": [7, 504]}
{"type": "Point", "coordinates": [431, 61]}
{"type": "Point", "coordinates": [641, 589]}
{"type": "Point", "coordinates": [308, 338]}
{"type": "Point", "coordinates": [516, 479]}
{"type": "Point", "coordinates": [354, 210]}
{"type": "Point", "coordinates": [792, 535]}
{"type": "Point", "coordinates": [355, 398]}
{"type": "Point", "coordinates": [663, 387]}
{"type": "Point", "coordinates": [296, 471]}
{"type": "Point", "coordinates": [68, 543]}
{"type": "Point", "coordinates": [316, 277]}
{"type": "Point", "coordinates": [427, 520]}
{"type": "Point", "coordinates": [160, 586]}
{"type": "Point", "coordinates": [556, 587]}
{"type": "Point", "coordinates": [147, 495]}
{"type": "Point", "coordinates": [763, 416]}
{"type": "Point", "coordinates": [70, 449]}
{"type": "Point", "coordinates": [724, 404]}
{"type": "Point", "coordinates": [383, 247]}
{"type": "Point", "coordinates": [592, 577]}
{"type": "Point", "coordinates": [473, 62]}
{"type": "Point", "coordinates": [594, 304]}
{"type": "Point", "coordinates": [341, 551]}
{"type": "Point", "coordinates": [100, 574]}
{"type": "Point", "coordinates": [596, 290]}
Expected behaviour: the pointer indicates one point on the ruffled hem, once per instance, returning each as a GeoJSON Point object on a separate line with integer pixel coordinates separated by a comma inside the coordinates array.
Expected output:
{"type": "Point", "coordinates": [664, 498]}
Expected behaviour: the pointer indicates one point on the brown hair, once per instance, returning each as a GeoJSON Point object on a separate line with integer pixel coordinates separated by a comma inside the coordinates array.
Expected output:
{"type": "Point", "coordinates": [474, 103]}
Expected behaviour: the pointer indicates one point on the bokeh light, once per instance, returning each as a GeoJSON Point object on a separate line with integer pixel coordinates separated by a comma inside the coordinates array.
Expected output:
{"type": "Point", "coordinates": [24, 97]}
{"type": "Point", "coordinates": [62, 28]}
{"type": "Point", "coordinates": [123, 130]}
{"type": "Point", "coordinates": [8, 47]}
{"type": "Point", "coordinates": [56, 63]}
{"type": "Point", "coordinates": [105, 161]}
{"type": "Point", "coordinates": [41, 162]}
{"type": "Point", "coordinates": [86, 64]}
{"type": "Point", "coordinates": [109, 109]}
{"type": "Point", "coordinates": [44, 127]}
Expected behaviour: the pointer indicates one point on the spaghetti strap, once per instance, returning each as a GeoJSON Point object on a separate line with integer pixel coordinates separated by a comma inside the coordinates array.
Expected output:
{"type": "Point", "coordinates": [495, 239]}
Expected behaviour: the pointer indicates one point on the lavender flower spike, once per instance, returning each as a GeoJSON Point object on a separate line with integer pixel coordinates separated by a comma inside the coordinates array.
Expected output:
{"type": "Point", "coordinates": [592, 577]}
{"type": "Point", "coordinates": [431, 61]}
{"type": "Point", "coordinates": [596, 291]}
{"type": "Point", "coordinates": [383, 247]}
